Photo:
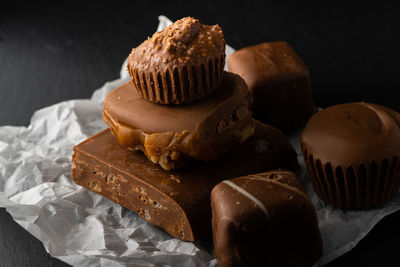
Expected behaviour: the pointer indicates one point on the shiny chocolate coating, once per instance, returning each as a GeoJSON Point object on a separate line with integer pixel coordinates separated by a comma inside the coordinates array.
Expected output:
{"type": "Point", "coordinates": [352, 154]}
{"type": "Point", "coordinates": [180, 64]}
{"type": "Point", "coordinates": [176, 201]}
{"type": "Point", "coordinates": [280, 82]}
{"type": "Point", "coordinates": [171, 135]}
{"type": "Point", "coordinates": [264, 219]}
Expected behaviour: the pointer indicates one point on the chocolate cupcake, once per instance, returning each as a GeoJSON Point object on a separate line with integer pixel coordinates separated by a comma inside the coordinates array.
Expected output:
{"type": "Point", "coordinates": [180, 64]}
{"type": "Point", "coordinates": [352, 154]}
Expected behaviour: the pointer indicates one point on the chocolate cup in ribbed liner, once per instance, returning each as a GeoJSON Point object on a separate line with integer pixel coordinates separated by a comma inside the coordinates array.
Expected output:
{"type": "Point", "coordinates": [179, 84]}
{"type": "Point", "coordinates": [179, 64]}
{"type": "Point", "coordinates": [360, 186]}
{"type": "Point", "coordinates": [352, 154]}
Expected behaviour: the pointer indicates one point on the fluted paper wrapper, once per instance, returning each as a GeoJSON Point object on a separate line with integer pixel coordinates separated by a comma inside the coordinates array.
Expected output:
{"type": "Point", "coordinates": [85, 229]}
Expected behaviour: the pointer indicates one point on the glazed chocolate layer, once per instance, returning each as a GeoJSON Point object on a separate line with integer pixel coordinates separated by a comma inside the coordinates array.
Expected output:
{"type": "Point", "coordinates": [264, 219]}
{"type": "Point", "coordinates": [126, 106]}
{"type": "Point", "coordinates": [352, 133]}
{"type": "Point", "coordinates": [352, 154]}
{"type": "Point", "coordinates": [180, 64]}
{"type": "Point", "coordinates": [204, 130]}
{"type": "Point", "coordinates": [279, 80]}
{"type": "Point", "coordinates": [179, 201]}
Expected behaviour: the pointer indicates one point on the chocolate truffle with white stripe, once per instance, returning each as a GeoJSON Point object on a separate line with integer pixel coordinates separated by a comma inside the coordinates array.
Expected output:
{"type": "Point", "coordinates": [265, 219]}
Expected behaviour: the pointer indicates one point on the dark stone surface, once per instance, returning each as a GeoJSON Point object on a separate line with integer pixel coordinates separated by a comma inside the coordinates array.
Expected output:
{"type": "Point", "coordinates": [55, 51]}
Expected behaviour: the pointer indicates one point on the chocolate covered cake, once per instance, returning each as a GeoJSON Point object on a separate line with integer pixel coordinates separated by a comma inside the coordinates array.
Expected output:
{"type": "Point", "coordinates": [279, 81]}
{"type": "Point", "coordinates": [264, 219]}
{"type": "Point", "coordinates": [180, 64]}
{"type": "Point", "coordinates": [352, 154]}
{"type": "Point", "coordinates": [173, 135]}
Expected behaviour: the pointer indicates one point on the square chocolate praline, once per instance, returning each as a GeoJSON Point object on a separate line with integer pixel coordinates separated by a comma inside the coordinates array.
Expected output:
{"type": "Point", "coordinates": [280, 83]}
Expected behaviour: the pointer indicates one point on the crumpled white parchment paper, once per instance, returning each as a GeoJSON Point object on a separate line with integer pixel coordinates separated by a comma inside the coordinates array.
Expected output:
{"type": "Point", "coordinates": [82, 228]}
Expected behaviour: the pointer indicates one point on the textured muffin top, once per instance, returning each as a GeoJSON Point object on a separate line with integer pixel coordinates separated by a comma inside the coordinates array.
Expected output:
{"type": "Point", "coordinates": [353, 133]}
{"type": "Point", "coordinates": [185, 41]}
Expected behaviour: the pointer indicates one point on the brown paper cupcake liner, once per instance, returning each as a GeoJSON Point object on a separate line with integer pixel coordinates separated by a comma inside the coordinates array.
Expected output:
{"type": "Point", "coordinates": [354, 187]}
{"type": "Point", "coordinates": [179, 85]}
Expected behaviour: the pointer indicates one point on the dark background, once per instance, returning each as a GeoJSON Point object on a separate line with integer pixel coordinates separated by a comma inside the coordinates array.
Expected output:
{"type": "Point", "coordinates": [54, 51]}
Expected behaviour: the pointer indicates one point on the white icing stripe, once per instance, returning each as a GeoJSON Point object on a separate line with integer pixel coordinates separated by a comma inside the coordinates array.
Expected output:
{"type": "Point", "coordinates": [292, 188]}
{"type": "Point", "coordinates": [249, 196]}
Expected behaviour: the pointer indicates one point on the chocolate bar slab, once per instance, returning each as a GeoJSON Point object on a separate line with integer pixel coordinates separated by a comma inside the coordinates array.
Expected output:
{"type": "Point", "coordinates": [279, 81]}
{"type": "Point", "coordinates": [177, 201]}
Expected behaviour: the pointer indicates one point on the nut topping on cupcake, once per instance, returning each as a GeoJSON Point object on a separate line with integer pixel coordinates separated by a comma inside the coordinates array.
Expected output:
{"type": "Point", "coordinates": [180, 64]}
